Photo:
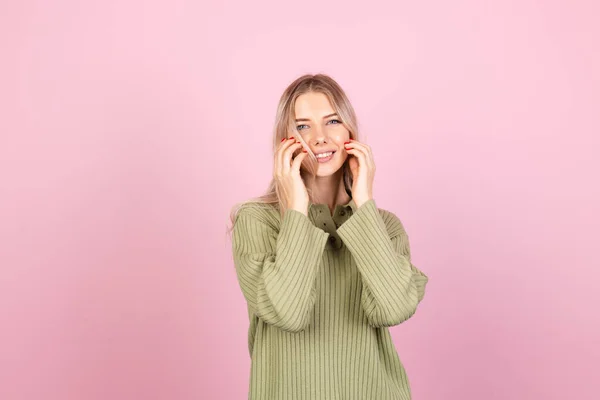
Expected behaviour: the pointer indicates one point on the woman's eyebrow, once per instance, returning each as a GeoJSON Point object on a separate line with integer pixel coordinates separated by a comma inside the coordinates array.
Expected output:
{"type": "Point", "coordinates": [306, 119]}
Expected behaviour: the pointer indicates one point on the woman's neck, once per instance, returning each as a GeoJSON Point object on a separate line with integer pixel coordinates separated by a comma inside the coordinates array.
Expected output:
{"type": "Point", "coordinates": [328, 190]}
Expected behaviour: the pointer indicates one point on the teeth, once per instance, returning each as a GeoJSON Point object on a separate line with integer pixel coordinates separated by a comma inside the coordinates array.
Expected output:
{"type": "Point", "coordinates": [324, 154]}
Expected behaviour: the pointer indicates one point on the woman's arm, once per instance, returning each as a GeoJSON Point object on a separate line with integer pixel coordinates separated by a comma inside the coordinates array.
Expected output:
{"type": "Point", "coordinates": [277, 270]}
{"type": "Point", "coordinates": [392, 285]}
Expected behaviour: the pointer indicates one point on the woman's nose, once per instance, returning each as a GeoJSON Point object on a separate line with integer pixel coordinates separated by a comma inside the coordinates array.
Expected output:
{"type": "Point", "coordinates": [319, 133]}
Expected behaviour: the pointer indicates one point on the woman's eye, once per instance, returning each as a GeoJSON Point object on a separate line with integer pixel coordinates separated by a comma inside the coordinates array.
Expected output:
{"type": "Point", "coordinates": [299, 127]}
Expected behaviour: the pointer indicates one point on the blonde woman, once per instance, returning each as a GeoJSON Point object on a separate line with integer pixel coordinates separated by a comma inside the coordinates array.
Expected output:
{"type": "Point", "coordinates": [324, 271]}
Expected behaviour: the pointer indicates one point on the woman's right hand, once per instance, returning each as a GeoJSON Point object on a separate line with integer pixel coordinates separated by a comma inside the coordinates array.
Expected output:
{"type": "Point", "coordinates": [287, 175]}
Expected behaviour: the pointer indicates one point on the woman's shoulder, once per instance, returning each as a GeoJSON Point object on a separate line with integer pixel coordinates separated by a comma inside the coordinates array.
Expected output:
{"type": "Point", "coordinates": [392, 222]}
{"type": "Point", "coordinates": [264, 213]}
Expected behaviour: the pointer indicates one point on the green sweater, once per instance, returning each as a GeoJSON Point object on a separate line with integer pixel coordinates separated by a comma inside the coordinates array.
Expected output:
{"type": "Point", "coordinates": [321, 292]}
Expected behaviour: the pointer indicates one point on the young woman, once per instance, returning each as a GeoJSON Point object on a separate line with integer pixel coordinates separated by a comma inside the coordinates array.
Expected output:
{"type": "Point", "coordinates": [324, 271]}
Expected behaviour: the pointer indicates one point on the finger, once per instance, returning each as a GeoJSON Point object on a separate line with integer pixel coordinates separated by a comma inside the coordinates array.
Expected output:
{"type": "Point", "coordinates": [287, 156]}
{"type": "Point", "coordinates": [360, 155]}
{"type": "Point", "coordinates": [360, 145]}
{"type": "Point", "coordinates": [279, 153]}
{"type": "Point", "coordinates": [363, 149]}
{"type": "Point", "coordinates": [298, 161]}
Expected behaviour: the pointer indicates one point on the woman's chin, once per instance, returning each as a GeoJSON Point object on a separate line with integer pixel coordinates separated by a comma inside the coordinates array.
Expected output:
{"type": "Point", "coordinates": [326, 170]}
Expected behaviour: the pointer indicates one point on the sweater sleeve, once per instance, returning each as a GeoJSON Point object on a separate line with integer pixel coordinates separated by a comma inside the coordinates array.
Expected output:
{"type": "Point", "coordinates": [277, 270]}
{"type": "Point", "coordinates": [392, 285]}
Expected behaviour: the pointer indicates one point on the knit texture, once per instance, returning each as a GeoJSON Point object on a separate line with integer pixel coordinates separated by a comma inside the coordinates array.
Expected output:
{"type": "Point", "coordinates": [322, 291]}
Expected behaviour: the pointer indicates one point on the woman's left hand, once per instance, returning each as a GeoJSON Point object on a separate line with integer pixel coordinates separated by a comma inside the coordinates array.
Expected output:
{"type": "Point", "coordinates": [362, 166]}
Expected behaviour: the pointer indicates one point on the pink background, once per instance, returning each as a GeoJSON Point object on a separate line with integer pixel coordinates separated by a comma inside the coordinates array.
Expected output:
{"type": "Point", "coordinates": [129, 128]}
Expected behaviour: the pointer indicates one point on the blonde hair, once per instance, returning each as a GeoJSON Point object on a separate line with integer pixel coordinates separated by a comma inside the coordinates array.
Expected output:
{"type": "Point", "coordinates": [285, 126]}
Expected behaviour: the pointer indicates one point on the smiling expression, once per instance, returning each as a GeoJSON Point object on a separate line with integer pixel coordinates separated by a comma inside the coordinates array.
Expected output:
{"type": "Point", "coordinates": [322, 129]}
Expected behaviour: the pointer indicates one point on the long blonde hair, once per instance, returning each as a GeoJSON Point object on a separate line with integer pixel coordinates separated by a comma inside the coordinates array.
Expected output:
{"type": "Point", "coordinates": [285, 126]}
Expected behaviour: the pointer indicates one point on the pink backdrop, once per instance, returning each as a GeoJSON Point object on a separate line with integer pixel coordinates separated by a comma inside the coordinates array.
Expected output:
{"type": "Point", "coordinates": [129, 128]}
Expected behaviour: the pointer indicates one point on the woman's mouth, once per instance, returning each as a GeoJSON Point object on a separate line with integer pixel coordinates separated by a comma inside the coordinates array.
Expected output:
{"type": "Point", "coordinates": [324, 157]}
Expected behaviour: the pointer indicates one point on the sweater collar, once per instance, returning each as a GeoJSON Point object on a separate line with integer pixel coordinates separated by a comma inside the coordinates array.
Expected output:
{"type": "Point", "coordinates": [351, 205]}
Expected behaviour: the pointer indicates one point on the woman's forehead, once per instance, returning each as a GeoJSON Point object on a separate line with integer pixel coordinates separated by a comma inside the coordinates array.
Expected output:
{"type": "Point", "coordinates": [313, 105]}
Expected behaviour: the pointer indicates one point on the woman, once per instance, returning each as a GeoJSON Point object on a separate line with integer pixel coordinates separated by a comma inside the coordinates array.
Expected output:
{"type": "Point", "coordinates": [323, 270]}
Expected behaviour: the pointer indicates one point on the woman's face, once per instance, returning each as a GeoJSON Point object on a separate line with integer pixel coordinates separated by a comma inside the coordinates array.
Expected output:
{"type": "Point", "coordinates": [322, 130]}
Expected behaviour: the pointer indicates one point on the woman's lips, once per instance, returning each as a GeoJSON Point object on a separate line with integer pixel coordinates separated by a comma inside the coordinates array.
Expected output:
{"type": "Point", "coordinates": [325, 159]}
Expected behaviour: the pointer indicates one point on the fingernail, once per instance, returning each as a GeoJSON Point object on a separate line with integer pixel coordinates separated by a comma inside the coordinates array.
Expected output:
{"type": "Point", "coordinates": [304, 151]}
{"type": "Point", "coordinates": [291, 137]}
{"type": "Point", "coordinates": [346, 142]}
{"type": "Point", "coordinates": [282, 139]}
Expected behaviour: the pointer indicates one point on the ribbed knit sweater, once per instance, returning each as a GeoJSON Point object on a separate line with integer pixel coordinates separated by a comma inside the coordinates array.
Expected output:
{"type": "Point", "coordinates": [321, 292]}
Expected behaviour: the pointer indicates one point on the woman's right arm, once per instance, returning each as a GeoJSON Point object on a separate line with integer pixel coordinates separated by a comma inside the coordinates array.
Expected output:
{"type": "Point", "coordinates": [277, 270]}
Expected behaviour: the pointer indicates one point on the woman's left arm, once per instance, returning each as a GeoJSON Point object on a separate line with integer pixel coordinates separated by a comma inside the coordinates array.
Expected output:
{"type": "Point", "coordinates": [392, 286]}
